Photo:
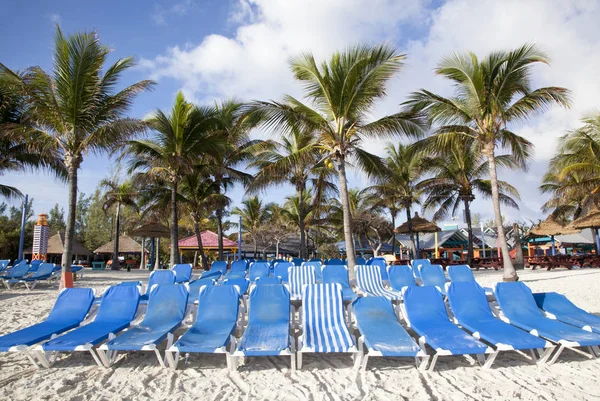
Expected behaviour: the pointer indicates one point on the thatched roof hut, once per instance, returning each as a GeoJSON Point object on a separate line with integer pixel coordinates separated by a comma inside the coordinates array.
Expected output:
{"type": "Point", "coordinates": [419, 225]}
{"type": "Point", "coordinates": [590, 220]}
{"type": "Point", "coordinates": [126, 245]}
{"type": "Point", "coordinates": [551, 227]}
{"type": "Point", "coordinates": [56, 246]}
{"type": "Point", "coordinates": [151, 230]}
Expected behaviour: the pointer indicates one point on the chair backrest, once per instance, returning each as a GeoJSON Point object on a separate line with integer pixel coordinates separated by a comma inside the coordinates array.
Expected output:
{"type": "Point", "coordinates": [269, 304]}
{"type": "Point", "coordinates": [297, 261]}
{"type": "Point", "coordinates": [416, 266]}
{"type": "Point", "coordinates": [516, 301]}
{"type": "Point", "coordinates": [268, 280]}
{"type": "Point", "coordinates": [300, 276]}
{"type": "Point", "coordinates": [166, 305]}
{"type": "Point", "coordinates": [336, 274]}
{"type": "Point", "coordinates": [119, 304]}
{"type": "Point", "coordinates": [281, 270]}
{"type": "Point", "coordinates": [44, 270]}
{"type": "Point", "coordinates": [194, 288]}
{"type": "Point", "coordinates": [183, 272]}
{"type": "Point", "coordinates": [468, 301]}
{"type": "Point", "coordinates": [130, 283]}
{"type": "Point", "coordinates": [424, 306]}
{"type": "Point", "coordinates": [361, 261]}
{"type": "Point", "coordinates": [242, 283]}
{"type": "Point", "coordinates": [316, 260]}
{"type": "Point", "coordinates": [238, 266]}
{"type": "Point", "coordinates": [219, 265]}
{"type": "Point", "coordinates": [218, 308]}
{"type": "Point", "coordinates": [460, 273]}
{"type": "Point", "coordinates": [382, 266]}
{"type": "Point", "coordinates": [19, 270]}
{"type": "Point", "coordinates": [4, 264]}
{"type": "Point", "coordinates": [34, 266]}
{"type": "Point", "coordinates": [400, 276]}
{"type": "Point", "coordinates": [258, 269]}
{"type": "Point", "coordinates": [71, 306]}
{"type": "Point", "coordinates": [433, 275]}
{"type": "Point", "coordinates": [368, 278]}
{"type": "Point", "coordinates": [274, 261]}
{"type": "Point", "coordinates": [334, 261]}
{"type": "Point", "coordinates": [323, 318]}
{"type": "Point", "coordinates": [318, 269]}
{"type": "Point", "coordinates": [160, 277]}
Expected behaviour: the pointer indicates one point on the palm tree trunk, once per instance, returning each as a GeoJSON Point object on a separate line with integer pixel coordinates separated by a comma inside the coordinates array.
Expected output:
{"type": "Point", "coordinates": [115, 262]}
{"type": "Point", "coordinates": [470, 254]}
{"type": "Point", "coordinates": [67, 278]}
{"type": "Point", "coordinates": [393, 233]}
{"type": "Point", "coordinates": [510, 273]}
{"type": "Point", "coordinates": [350, 253]}
{"type": "Point", "coordinates": [174, 226]}
{"type": "Point", "coordinates": [413, 245]}
{"type": "Point", "coordinates": [219, 214]}
{"type": "Point", "coordinates": [200, 246]}
{"type": "Point", "coordinates": [301, 223]}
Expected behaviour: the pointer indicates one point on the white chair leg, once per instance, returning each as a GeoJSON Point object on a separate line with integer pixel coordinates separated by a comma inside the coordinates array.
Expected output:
{"type": "Point", "coordinates": [96, 359]}
{"type": "Point", "coordinates": [433, 362]}
{"type": "Point", "coordinates": [560, 349]}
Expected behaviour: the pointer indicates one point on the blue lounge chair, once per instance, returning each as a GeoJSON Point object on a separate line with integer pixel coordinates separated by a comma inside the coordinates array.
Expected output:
{"type": "Point", "coordinates": [117, 310]}
{"type": "Point", "coordinates": [519, 309]}
{"type": "Point", "coordinates": [70, 308]}
{"type": "Point", "coordinates": [241, 283]}
{"type": "Point", "coordinates": [194, 288]}
{"type": "Point", "coordinates": [416, 264]}
{"type": "Point", "coordinates": [472, 311]}
{"type": "Point", "coordinates": [268, 330]}
{"type": "Point", "coordinates": [368, 280]}
{"type": "Point", "coordinates": [44, 272]}
{"type": "Point", "coordinates": [300, 276]}
{"type": "Point", "coordinates": [16, 273]}
{"type": "Point", "coordinates": [426, 314]}
{"type": "Point", "coordinates": [34, 265]}
{"type": "Point", "coordinates": [323, 323]}
{"type": "Point", "coordinates": [382, 266]}
{"type": "Point", "coordinates": [258, 269]}
{"type": "Point", "coordinates": [381, 332]}
{"type": "Point", "coordinates": [4, 264]}
{"type": "Point", "coordinates": [238, 269]}
{"type": "Point", "coordinates": [361, 261]}
{"type": "Point", "coordinates": [464, 273]}
{"type": "Point", "coordinates": [268, 280]}
{"type": "Point", "coordinates": [557, 306]}
{"type": "Point", "coordinates": [131, 283]}
{"type": "Point", "coordinates": [157, 277]}
{"type": "Point", "coordinates": [183, 272]}
{"type": "Point", "coordinates": [297, 261]}
{"type": "Point", "coordinates": [166, 310]}
{"type": "Point", "coordinates": [433, 275]}
{"type": "Point", "coordinates": [338, 274]}
{"type": "Point", "coordinates": [213, 274]}
{"type": "Point", "coordinates": [219, 265]}
{"type": "Point", "coordinates": [400, 276]}
{"type": "Point", "coordinates": [334, 261]}
{"type": "Point", "coordinates": [318, 269]}
{"type": "Point", "coordinates": [77, 270]}
{"type": "Point", "coordinates": [212, 331]}
{"type": "Point", "coordinates": [280, 269]}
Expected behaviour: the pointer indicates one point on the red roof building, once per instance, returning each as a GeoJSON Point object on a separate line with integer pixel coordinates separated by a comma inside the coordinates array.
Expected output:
{"type": "Point", "coordinates": [210, 241]}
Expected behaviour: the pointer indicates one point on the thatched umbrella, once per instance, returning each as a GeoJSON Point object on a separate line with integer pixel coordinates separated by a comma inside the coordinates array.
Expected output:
{"type": "Point", "coordinates": [590, 220]}
{"type": "Point", "coordinates": [419, 225]}
{"type": "Point", "coordinates": [151, 230]}
{"type": "Point", "coordinates": [551, 227]}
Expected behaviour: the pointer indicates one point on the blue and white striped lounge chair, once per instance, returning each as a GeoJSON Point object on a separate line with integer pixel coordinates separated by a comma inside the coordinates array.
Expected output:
{"type": "Point", "coordinates": [416, 264]}
{"type": "Point", "coordinates": [166, 311]}
{"type": "Point", "coordinates": [463, 273]}
{"type": "Point", "coordinates": [382, 266]}
{"type": "Point", "coordinates": [268, 332]}
{"type": "Point", "coordinates": [212, 331]}
{"type": "Point", "coordinates": [368, 280]}
{"type": "Point", "coordinates": [183, 272]}
{"type": "Point", "coordinates": [117, 310]}
{"type": "Point", "coordinates": [324, 328]}
{"type": "Point", "coordinates": [338, 274]}
{"type": "Point", "coordinates": [382, 334]}
{"type": "Point", "coordinates": [557, 306]}
{"type": "Point", "coordinates": [425, 312]}
{"type": "Point", "coordinates": [472, 311]}
{"type": "Point", "coordinates": [300, 276]}
{"type": "Point", "coordinates": [70, 308]}
{"type": "Point", "coordinates": [16, 273]}
{"type": "Point", "coordinates": [318, 269]}
{"type": "Point", "coordinates": [280, 269]}
{"type": "Point", "coordinates": [44, 272]}
{"type": "Point", "coordinates": [258, 269]}
{"type": "Point", "coordinates": [238, 269]}
{"type": "Point", "coordinates": [400, 276]}
{"type": "Point", "coordinates": [433, 275]}
{"type": "Point", "coordinates": [520, 309]}
{"type": "Point", "coordinates": [157, 277]}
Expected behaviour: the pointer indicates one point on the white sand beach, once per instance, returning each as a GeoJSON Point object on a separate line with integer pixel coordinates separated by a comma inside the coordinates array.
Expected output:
{"type": "Point", "coordinates": [137, 376]}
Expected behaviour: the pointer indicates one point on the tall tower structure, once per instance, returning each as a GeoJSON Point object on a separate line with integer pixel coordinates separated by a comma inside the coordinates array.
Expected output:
{"type": "Point", "coordinates": [40, 238]}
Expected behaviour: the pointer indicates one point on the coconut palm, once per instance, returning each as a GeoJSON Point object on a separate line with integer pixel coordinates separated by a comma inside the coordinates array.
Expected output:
{"type": "Point", "coordinates": [342, 92]}
{"type": "Point", "coordinates": [178, 142]}
{"type": "Point", "coordinates": [117, 194]}
{"type": "Point", "coordinates": [254, 214]}
{"type": "Point", "coordinates": [491, 95]}
{"type": "Point", "coordinates": [76, 109]}
{"type": "Point", "coordinates": [458, 172]}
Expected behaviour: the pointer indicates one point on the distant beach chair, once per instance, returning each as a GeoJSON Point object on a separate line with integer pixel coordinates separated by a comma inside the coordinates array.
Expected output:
{"type": "Point", "coordinates": [520, 309]}
{"type": "Point", "coordinates": [382, 334]}
{"type": "Point", "coordinates": [4, 264]}
{"type": "Point", "coordinates": [268, 330]}
{"type": "Point", "coordinates": [16, 273]}
{"type": "Point", "coordinates": [183, 272]}
{"type": "Point", "coordinates": [368, 280]}
{"type": "Point", "coordinates": [77, 270]}
{"type": "Point", "coordinates": [335, 261]}
{"type": "Point", "coordinates": [361, 261]}
{"type": "Point", "coordinates": [426, 314]}
{"type": "Point", "coordinates": [117, 310]}
{"type": "Point", "coordinates": [258, 269]}
{"type": "Point", "coordinates": [45, 272]}
{"type": "Point", "coordinates": [297, 261]}
{"type": "Point", "coordinates": [219, 265]}
{"type": "Point", "coordinates": [416, 264]}
{"type": "Point", "coordinates": [194, 288]}
{"type": "Point", "coordinates": [323, 324]}
{"type": "Point", "coordinates": [34, 265]}
{"type": "Point", "coordinates": [558, 307]}
{"type": "Point", "coordinates": [318, 269]}
{"type": "Point", "coordinates": [382, 266]}
{"type": "Point", "coordinates": [69, 310]}
{"type": "Point", "coordinates": [433, 275]}
{"type": "Point", "coordinates": [212, 331]}
{"type": "Point", "coordinates": [166, 310]}
{"type": "Point", "coordinates": [241, 283]}
{"type": "Point", "coordinates": [338, 274]}
{"type": "Point", "coordinates": [238, 269]}
{"type": "Point", "coordinates": [157, 277]}
{"type": "Point", "coordinates": [463, 273]}
{"type": "Point", "coordinates": [280, 269]}
{"type": "Point", "coordinates": [300, 276]}
{"type": "Point", "coordinates": [400, 276]}
{"type": "Point", "coordinates": [472, 311]}
{"type": "Point", "coordinates": [267, 280]}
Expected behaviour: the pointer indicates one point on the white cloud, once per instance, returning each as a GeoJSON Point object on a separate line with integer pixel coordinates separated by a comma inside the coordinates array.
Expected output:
{"type": "Point", "coordinates": [160, 13]}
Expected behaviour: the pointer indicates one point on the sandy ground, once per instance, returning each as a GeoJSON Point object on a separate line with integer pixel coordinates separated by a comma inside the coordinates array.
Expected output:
{"type": "Point", "coordinates": [324, 377]}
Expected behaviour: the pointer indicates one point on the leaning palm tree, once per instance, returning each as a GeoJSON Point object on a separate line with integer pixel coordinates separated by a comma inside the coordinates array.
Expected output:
{"type": "Point", "coordinates": [343, 92]}
{"type": "Point", "coordinates": [254, 214]}
{"type": "Point", "coordinates": [458, 172]}
{"type": "Point", "coordinates": [117, 194]}
{"type": "Point", "coordinates": [491, 95]}
{"type": "Point", "coordinates": [179, 141]}
{"type": "Point", "coordinates": [76, 109]}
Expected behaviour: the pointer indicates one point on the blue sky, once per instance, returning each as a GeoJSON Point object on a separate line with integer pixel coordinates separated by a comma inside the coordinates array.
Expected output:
{"type": "Point", "coordinates": [217, 49]}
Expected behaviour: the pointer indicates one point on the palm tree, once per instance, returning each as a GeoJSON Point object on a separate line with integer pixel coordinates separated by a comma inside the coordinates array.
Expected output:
{"type": "Point", "coordinates": [254, 214]}
{"type": "Point", "coordinates": [117, 194]}
{"type": "Point", "coordinates": [179, 141]}
{"type": "Point", "coordinates": [76, 109]}
{"type": "Point", "coordinates": [459, 171]}
{"type": "Point", "coordinates": [343, 92]}
{"type": "Point", "coordinates": [490, 95]}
